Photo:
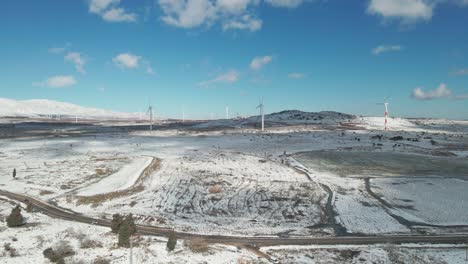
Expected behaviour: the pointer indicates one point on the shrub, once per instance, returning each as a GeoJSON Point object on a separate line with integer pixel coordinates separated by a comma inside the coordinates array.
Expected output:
{"type": "Point", "coordinates": [117, 220]}
{"type": "Point", "coordinates": [101, 260]}
{"type": "Point", "coordinates": [214, 189]}
{"type": "Point", "coordinates": [64, 249]}
{"type": "Point", "coordinates": [11, 251]}
{"type": "Point", "coordinates": [171, 242]}
{"type": "Point", "coordinates": [131, 224]}
{"type": "Point", "coordinates": [88, 243]}
{"type": "Point", "coordinates": [15, 218]}
{"type": "Point", "coordinates": [197, 245]}
{"type": "Point", "coordinates": [50, 254]}
{"type": "Point", "coordinates": [124, 235]}
{"type": "Point", "coordinates": [61, 250]}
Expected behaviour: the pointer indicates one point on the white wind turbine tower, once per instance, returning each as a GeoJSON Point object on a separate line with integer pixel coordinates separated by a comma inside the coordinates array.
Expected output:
{"type": "Point", "coordinates": [260, 106]}
{"type": "Point", "coordinates": [150, 111]}
{"type": "Point", "coordinates": [385, 103]}
{"type": "Point", "coordinates": [183, 114]}
{"type": "Point", "coordinates": [227, 112]}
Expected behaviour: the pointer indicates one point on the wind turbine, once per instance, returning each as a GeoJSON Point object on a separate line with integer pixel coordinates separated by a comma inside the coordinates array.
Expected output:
{"type": "Point", "coordinates": [227, 112]}
{"type": "Point", "coordinates": [385, 103]}
{"type": "Point", "coordinates": [150, 111]}
{"type": "Point", "coordinates": [260, 106]}
{"type": "Point", "coordinates": [183, 114]}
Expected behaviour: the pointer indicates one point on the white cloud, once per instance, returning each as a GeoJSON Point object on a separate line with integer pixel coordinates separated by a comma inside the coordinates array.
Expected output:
{"type": "Point", "coordinates": [234, 6]}
{"type": "Point", "coordinates": [296, 75]}
{"type": "Point", "coordinates": [244, 22]}
{"type": "Point", "coordinates": [98, 6]}
{"type": "Point", "coordinates": [228, 77]}
{"type": "Point", "coordinates": [78, 60]}
{"type": "Point", "coordinates": [441, 92]}
{"type": "Point", "coordinates": [232, 14]}
{"type": "Point", "coordinates": [407, 11]}
{"type": "Point", "coordinates": [118, 15]}
{"type": "Point", "coordinates": [461, 71]}
{"type": "Point", "coordinates": [59, 81]}
{"type": "Point", "coordinates": [386, 48]}
{"type": "Point", "coordinates": [187, 13]}
{"type": "Point", "coordinates": [110, 11]}
{"type": "Point", "coordinates": [126, 61]}
{"type": "Point", "coordinates": [258, 62]}
{"type": "Point", "coordinates": [285, 3]}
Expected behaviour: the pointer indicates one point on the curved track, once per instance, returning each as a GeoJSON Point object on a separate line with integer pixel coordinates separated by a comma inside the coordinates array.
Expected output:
{"type": "Point", "coordinates": [57, 212]}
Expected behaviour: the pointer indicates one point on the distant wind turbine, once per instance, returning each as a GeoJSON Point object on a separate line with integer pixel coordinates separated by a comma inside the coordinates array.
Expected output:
{"type": "Point", "coordinates": [150, 111]}
{"type": "Point", "coordinates": [183, 114]}
{"type": "Point", "coordinates": [385, 103]}
{"type": "Point", "coordinates": [260, 106]}
{"type": "Point", "coordinates": [227, 112]}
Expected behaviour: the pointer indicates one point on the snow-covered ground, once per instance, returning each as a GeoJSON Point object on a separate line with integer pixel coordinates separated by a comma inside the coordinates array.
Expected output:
{"type": "Point", "coordinates": [448, 198]}
{"type": "Point", "coordinates": [92, 242]}
{"type": "Point", "coordinates": [217, 181]}
{"type": "Point", "coordinates": [239, 182]}
{"type": "Point", "coordinates": [42, 232]}
{"type": "Point", "coordinates": [42, 107]}
{"type": "Point", "coordinates": [125, 178]}
{"type": "Point", "coordinates": [377, 254]}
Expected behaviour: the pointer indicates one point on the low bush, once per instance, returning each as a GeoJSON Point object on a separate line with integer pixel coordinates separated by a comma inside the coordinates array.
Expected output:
{"type": "Point", "coordinates": [101, 260]}
{"type": "Point", "coordinates": [15, 219]}
{"type": "Point", "coordinates": [214, 189]}
{"type": "Point", "coordinates": [59, 252]}
{"type": "Point", "coordinates": [11, 251]}
{"type": "Point", "coordinates": [197, 245]}
{"type": "Point", "coordinates": [89, 243]}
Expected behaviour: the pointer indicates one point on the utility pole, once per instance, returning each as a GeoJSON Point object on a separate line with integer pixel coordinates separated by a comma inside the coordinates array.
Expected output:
{"type": "Point", "coordinates": [131, 251]}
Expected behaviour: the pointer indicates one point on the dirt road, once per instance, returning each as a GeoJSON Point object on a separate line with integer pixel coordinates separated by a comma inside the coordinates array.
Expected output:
{"type": "Point", "coordinates": [57, 212]}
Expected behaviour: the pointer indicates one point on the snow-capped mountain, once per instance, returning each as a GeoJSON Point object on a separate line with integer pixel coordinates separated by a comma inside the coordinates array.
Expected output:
{"type": "Point", "coordinates": [42, 107]}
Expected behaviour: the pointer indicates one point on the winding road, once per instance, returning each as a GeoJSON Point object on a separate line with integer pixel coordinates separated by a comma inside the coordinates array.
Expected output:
{"type": "Point", "coordinates": [60, 213]}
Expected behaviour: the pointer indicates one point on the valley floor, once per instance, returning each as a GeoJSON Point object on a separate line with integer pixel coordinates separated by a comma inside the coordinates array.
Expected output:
{"type": "Point", "coordinates": [292, 181]}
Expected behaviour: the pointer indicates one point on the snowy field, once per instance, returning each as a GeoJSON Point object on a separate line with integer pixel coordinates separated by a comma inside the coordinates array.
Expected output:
{"type": "Point", "coordinates": [236, 181]}
{"type": "Point", "coordinates": [378, 254]}
{"type": "Point", "coordinates": [91, 243]}
{"type": "Point", "coordinates": [448, 199]}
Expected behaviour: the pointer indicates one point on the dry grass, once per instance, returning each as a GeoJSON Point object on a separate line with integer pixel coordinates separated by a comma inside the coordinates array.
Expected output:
{"type": "Point", "coordinates": [245, 261]}
{"type": "Point", "coordinates": [96, 200]}
{"type": "Point", "coordinates": [197, 245]}
{"type": "Point", "coordinates": [214, 189]}
{"type": "Point", "coordinates": [101, 172]}
{"type": "Point", "coordinates": [45, 192]}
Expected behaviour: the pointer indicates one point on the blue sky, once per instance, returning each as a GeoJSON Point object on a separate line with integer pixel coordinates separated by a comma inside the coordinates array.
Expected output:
{"type": "Point", "coordinates": [204, 54]}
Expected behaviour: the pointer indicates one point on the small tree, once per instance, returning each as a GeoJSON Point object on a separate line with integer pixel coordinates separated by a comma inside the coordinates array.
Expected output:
{"type": "Point", "coordinates": [117, 220]}
{"type": "Point", "coordinates": [15, 218]}
{"type": "Point", "coordinates": [131, 224]}
{"type": "Point", "coordinates": [14, 173]}
{"type": "Point", "coordinates": [172, 241]}
{"type": "Point", "coordinates": [124, 235]}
